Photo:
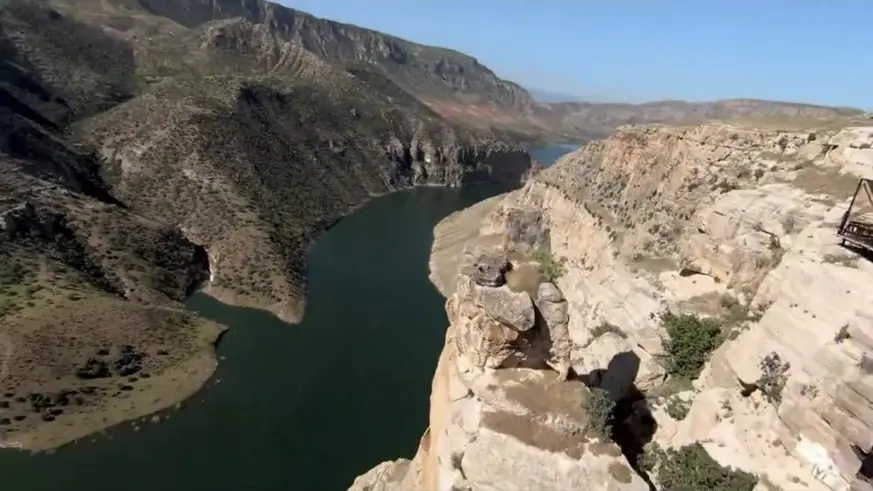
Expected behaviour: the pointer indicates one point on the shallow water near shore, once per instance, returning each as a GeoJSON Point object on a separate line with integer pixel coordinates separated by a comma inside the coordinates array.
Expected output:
{"type": "Point", "coordinates": [295, 407]}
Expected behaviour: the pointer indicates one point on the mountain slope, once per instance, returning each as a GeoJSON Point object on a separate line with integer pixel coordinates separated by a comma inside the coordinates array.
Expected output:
{"type": "Point", "coordinates": [139, 158]}
{"type": "Point", "coordinates": [454, 85]}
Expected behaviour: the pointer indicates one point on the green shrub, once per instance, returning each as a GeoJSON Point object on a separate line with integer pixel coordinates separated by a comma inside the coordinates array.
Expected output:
{"type": "Point", "coordinates": [773, 377]}
{"type": "Point", "coordinates": [691, 468]}
{"type": "Point", "coordinates": [550, 267]}
{"type": "Point", "coordinates": [599, 407]}
{"type": "Point", "coordinates": [677, 408]}
{"type": "Point", "coordinates": [691, 340]}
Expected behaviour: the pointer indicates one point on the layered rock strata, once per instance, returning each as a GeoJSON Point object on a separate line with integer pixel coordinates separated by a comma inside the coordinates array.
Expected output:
{"type": "Point", "coordinates": [722, 221]}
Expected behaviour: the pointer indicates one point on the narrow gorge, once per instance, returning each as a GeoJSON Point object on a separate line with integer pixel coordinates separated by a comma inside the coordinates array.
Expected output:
{"type": "Point", "coordinates": [667, 307]}
{"type": "Point", "coordinates": [144, 156]}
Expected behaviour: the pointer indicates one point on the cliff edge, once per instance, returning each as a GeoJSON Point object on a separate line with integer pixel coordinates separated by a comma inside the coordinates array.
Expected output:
{"type": "Point", "coordinates": [707, 295]}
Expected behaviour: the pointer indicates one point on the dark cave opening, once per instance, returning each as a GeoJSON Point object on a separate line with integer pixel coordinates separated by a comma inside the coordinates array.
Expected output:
{"type": "Point", "coordinates": [865, 472]}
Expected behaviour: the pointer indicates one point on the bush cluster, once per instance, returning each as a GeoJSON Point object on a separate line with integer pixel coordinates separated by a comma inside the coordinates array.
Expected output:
{"type": "Point", "coordinates": [599, 407]}
{"type": "Point", "coordinates": [691, 468]}
{"type": "Point", "coordinates": [691, 341]}
{"type": "Point", "coordinates": [550, 267]}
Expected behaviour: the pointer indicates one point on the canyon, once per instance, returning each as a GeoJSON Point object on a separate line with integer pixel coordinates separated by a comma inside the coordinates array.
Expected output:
{"type": "Point", "coordinates": [151, 148]}
{"type": "Point", "coordinates": [147, 154]}
{"type": "Point", "coordinates": [727, 228]}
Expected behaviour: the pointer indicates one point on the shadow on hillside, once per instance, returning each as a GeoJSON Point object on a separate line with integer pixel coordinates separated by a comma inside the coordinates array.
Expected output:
{"type": "Point", "coordinates": [633, 423]}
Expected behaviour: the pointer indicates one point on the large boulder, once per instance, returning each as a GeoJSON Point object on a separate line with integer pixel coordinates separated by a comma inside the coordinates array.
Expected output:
{"type": "Point", "coordinates": [514, 309]}
{"type": "Point", "coordinates": [488, 270]}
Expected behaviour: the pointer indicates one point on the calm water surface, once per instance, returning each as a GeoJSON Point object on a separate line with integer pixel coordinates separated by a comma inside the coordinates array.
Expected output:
{"type": "Point", "coordinates": [305, 407]}
{"type": "Point", "coordinates": [548, 155]}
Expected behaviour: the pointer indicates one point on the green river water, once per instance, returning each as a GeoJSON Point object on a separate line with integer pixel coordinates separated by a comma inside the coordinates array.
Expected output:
{"type": "Point", "coordinates": [299, 407]}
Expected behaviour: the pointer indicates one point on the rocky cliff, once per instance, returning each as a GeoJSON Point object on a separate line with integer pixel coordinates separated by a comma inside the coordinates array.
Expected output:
{"type": "Point", "coordinates": [499, 419]}
{"type": "Point", "coordinates": [706, 293]}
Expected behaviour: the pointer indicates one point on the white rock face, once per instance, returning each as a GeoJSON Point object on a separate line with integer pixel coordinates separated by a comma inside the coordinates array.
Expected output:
{"type": "Point", "coordinates": [650, 219]}
{"type": "Point", "coordinates": [496, 425]}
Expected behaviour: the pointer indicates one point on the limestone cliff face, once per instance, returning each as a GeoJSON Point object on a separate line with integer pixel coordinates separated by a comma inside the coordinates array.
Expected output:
{"type": "Point", "coordinates": [500, 419]}
{"type": "Point", "coordinates": [711, 220]}
{"type": "Point", "coordinates": [742, 214]}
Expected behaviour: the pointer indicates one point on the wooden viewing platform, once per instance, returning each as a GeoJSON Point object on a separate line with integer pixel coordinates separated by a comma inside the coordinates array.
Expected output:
{"type": "Point", "coordinates": [857, 230]}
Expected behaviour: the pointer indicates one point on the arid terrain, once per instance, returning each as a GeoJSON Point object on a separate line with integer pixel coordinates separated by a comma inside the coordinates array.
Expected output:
{"type": "Point", "coordinates": [151, 147]}
{"type": "Point", "coordinates": [689, 284]}
{"type": "Point", "coordinates": [146, 152]}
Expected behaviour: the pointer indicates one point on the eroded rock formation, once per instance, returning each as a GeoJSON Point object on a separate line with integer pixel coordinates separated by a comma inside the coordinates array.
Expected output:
{"type": "Point", "coordinates": [725, 222]}
{"type": "Point", "coordinates": [500, 419]}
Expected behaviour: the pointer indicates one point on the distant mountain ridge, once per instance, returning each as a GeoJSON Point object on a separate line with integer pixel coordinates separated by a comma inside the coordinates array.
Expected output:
{"type": "Point", "coordinates": [543, 96]}
{"type": "Point", "coordinates": [603, 118]}
{"type": "Point", "coordinates": [458, 86]}
{"type": "Point", "coordinates": [426, 71]}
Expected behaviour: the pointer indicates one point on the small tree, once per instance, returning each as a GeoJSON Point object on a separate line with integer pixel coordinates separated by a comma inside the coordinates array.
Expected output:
{"type": "Point", "coordinates": [551, 268]}
{"type": "Point", "coordinates": [599, 407]}
{"type": "Point", "coordinates": [773, 377]}
{"type": "Point", "coordinates": [691, 341]}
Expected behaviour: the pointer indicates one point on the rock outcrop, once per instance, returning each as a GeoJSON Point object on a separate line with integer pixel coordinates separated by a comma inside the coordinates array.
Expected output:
{"type": "Point", "coordinates": [500, 420]}
{"type": "Point", "coordinates": [725, 222]}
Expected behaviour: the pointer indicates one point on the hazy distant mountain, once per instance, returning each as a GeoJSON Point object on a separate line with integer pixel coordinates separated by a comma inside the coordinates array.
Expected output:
{"type": "Point", "coordinates": [547, 96]}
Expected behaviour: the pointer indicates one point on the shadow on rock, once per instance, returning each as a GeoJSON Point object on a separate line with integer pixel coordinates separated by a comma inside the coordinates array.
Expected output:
{"type": "Point", "coordinates": [633, 424]}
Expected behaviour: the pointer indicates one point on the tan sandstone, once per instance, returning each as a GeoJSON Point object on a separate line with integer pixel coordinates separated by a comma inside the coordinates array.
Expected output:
{"type": "Point", "coordinates": [656, 218]}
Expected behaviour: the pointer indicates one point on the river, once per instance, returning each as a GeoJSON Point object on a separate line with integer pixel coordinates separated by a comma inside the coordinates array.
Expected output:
{"type": "Point", "coordinates": [306, 407]}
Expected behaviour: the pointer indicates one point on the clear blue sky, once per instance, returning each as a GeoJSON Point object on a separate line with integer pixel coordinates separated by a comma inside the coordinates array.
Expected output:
{"type": "Point", "coordinates": [818, 51]}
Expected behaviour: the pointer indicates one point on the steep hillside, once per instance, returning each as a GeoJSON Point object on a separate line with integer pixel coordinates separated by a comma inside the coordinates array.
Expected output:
{"type": "Point", "coordinates": [141, 158]}
{"type": "Point", "coordinates": [453, 84]}
{"type": "Point", "coordinates": [449, 81]}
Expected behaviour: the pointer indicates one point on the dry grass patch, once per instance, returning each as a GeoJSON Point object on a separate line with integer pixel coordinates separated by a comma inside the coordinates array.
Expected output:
{"type": "Point", "coordinates": [826, 180]}
{"type": "Point", "coordinates": [75, 360]}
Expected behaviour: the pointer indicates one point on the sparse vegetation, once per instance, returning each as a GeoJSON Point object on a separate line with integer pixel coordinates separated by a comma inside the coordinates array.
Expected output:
{"type": "Point", "coordinates": [734, 312]}
{"type": "Point", "coordinates": [669, 388]}
{"type": "Point", "coordinates": [599, 408]}
{"type": "Point", "coordinates": [552, 268]}
{"type": "Point", "coordinates": [692, 468]}
{"type": "Point", "coordinates": [690, 342]}
{"type": "Point", "coordinates": [677, 408]}
{"type": "Point", "coordinates": [842, 260]}
{"type": "Point", "coordinates": [773, 377]}
{"type": "Point", "coordinates": [727, 411]}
